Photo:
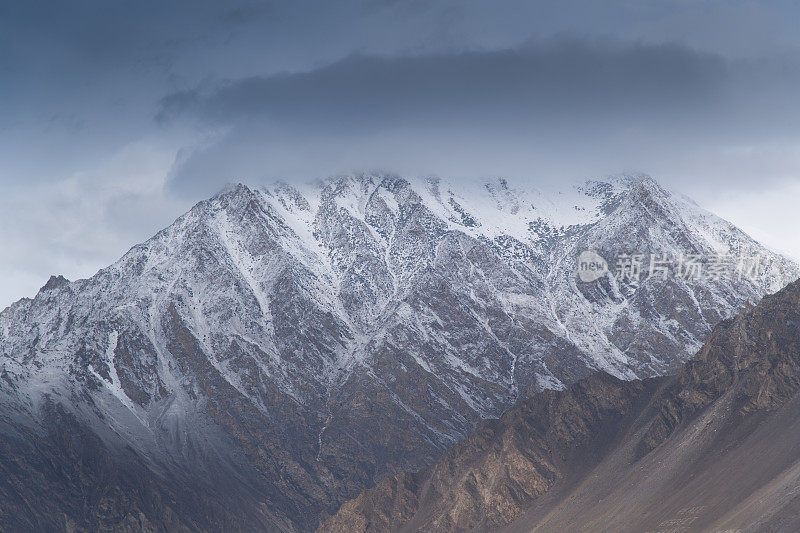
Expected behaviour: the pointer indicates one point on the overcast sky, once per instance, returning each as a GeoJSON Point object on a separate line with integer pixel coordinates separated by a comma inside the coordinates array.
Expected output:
{"type": "Point", "coordinates": [116, 116]}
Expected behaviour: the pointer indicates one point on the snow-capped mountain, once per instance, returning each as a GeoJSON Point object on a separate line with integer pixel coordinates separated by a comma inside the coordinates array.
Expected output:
{"type": "Point", "coordinates": [293, 344]}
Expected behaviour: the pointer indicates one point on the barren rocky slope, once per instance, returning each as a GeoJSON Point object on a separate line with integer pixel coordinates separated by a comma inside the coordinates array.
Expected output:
{"type": "Point", "coordinates": [714, 448]}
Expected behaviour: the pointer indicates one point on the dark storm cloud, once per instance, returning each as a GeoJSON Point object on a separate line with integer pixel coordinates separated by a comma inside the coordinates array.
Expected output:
{"type": "Point", "coordinates": [584, 105]}
{"type": "Point", "coordinates": [511, 85]}
{"type": "Point", "coordinates": [700, 94]}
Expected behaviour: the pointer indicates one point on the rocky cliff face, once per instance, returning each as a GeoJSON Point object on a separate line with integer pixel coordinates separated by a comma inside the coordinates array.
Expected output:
{"type": "Point", "coordinates": [714, 448]}
{"type": "Point", "coordinates": [300, 343]}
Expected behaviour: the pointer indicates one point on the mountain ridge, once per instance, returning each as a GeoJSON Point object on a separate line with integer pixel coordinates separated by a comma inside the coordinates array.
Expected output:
{"type": "Point", "coordinates": [316, 338]}
{"type": "Point", "coordinates": [609, 455]}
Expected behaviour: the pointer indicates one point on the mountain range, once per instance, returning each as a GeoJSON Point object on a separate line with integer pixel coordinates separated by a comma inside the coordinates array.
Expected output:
{"type": "Point", "coordinates": [277, 350]}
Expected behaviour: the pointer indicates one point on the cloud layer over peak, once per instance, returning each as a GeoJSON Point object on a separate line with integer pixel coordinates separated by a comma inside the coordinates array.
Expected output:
{"type": "Point", "coordinates": [115, 116]}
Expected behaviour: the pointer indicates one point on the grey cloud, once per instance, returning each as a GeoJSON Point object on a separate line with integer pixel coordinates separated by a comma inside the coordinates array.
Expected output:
{"type": "Point", "coordinates": [563, 105]}
{"type": "Point", "coordinates": [246, 13]}
{"type": "Point", "coordinates": [413, 86]}
{"type": "Point", "coordinates": [597, 77]}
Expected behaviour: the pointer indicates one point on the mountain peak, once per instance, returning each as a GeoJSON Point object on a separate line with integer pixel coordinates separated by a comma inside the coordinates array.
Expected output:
{"type": "Point", "coordinates": [632, 179]}
{"type": "Point", "coordinates": [231, 191]}
{"type": "Point", "coordinates": [55, 282]}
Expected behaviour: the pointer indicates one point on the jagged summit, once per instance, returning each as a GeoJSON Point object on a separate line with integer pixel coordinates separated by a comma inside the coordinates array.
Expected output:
{"type": "Point", "coordinates": [55, 282]}
{"type": "Point", "coordinates": [314, 337]}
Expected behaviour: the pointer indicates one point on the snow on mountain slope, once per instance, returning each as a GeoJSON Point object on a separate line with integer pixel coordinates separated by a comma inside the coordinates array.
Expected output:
{"type": "Point", "coordinates": [314, 338]}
